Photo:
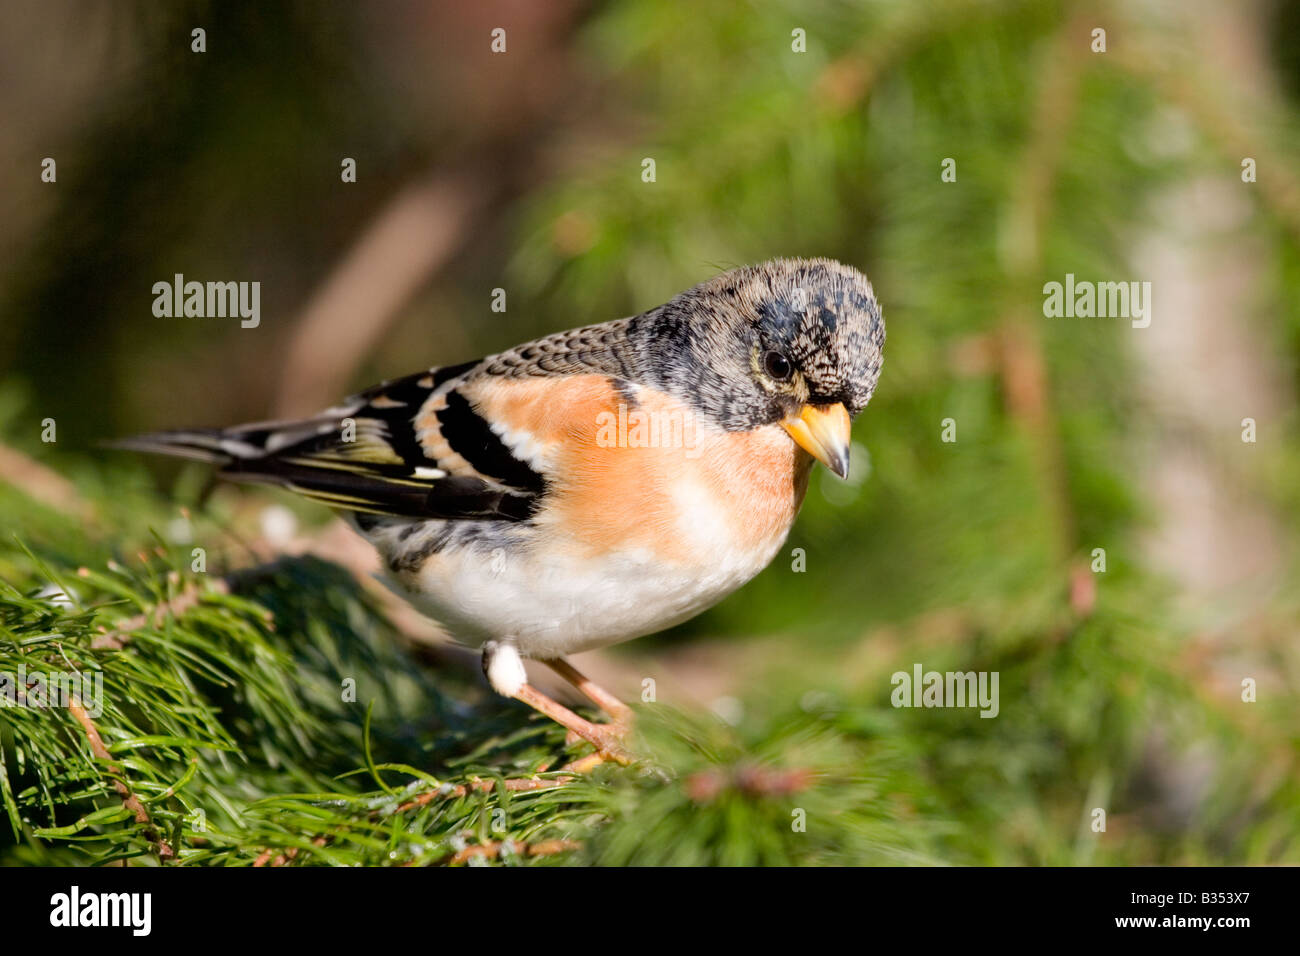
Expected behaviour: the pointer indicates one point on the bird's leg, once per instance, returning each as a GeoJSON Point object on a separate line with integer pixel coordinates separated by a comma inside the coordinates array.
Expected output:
{"type": "Point", "coordinates": [606, 739]}
{"type": "Point", "coordinates": [620, 713]}
{"type": "Point", "coordinates": [617, 710]}
{"type": "Point", "coordinates": [505, 672]}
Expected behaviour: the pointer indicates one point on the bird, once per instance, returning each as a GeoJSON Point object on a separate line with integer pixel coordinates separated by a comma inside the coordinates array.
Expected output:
{"type": "Point", "coordinates": [595, 485]}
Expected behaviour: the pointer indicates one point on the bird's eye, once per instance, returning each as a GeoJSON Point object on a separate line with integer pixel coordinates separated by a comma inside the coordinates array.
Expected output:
{"type": "Point", "coordinates": [777, 366]}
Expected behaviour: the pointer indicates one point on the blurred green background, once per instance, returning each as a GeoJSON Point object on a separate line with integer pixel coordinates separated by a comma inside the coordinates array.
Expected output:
{"type": "Point", "coordinates": [522, 171]}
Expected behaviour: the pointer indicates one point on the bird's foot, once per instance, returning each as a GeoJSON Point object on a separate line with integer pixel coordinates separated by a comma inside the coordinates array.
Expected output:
{"type": "Point", "coordinates": [505, 672]}
{"type": "Point", "coordinates": [606, 738]}
{"type": "Point", "coordinates": [609, 741]}
{"type": "Point", "coordinates": [614, 734]}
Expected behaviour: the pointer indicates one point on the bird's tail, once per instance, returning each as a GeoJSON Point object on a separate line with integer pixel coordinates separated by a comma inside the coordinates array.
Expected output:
{"type": "Point", "coordinates": [364, 455]}
{"type": "Point", "coordinates": [211, 445]}
{"type": "Point", "coordinates": [307, 456]}
{"type": "Point", "coordinates": [235, 448]}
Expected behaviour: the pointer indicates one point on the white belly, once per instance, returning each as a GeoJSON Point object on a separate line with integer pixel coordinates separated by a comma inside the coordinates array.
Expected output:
{"type": "Point", "coordinates": [551, 605]}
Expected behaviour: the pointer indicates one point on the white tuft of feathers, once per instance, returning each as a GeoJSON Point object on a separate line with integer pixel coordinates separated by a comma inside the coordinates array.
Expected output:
{"type": "Point", "coordinates": [505, 669]}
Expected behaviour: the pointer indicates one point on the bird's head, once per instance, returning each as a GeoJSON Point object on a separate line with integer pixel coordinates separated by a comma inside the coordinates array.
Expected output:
{"type": "Point", "coordinates": [795, 342]}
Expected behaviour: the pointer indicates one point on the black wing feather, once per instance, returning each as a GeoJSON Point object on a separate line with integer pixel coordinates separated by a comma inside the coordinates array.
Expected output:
{"type": "Point", "coordinates": [383, 469]}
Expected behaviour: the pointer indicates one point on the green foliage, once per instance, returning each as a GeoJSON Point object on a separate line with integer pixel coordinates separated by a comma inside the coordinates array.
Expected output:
{"type": "Point", "coordinates": [1118, 690]}
{"type": "Point", "coordinates": [229, 722]}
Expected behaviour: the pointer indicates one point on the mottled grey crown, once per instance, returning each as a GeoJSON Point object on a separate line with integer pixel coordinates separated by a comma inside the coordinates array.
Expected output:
{"type": "Point", "coordinates": [710, 345]}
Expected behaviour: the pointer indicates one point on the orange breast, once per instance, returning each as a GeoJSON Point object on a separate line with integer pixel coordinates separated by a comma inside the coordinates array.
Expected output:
{"type": "Point", "coordinates": [649, 475]}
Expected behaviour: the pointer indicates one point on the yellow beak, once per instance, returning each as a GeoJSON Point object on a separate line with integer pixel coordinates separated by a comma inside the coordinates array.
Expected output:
{"type": "Point", "coordinates": [823, 432]}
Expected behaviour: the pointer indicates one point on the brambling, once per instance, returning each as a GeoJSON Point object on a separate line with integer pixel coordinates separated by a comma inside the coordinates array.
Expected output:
{"type": "Point", "coordinates": [594, 485]}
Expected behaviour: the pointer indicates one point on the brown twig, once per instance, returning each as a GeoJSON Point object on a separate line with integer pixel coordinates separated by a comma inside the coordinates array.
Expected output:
{"type": "Point", "coordinates": [40, 483]}
{"type": "Point", "coordinates": [442, 793]}
{"type": "Point", "coordinates": [410, 239]}
{"type": "Point", "coordinates": [1020, 340]}
{"type": "Point", "coordinates": [493, 849]}
{"type": "Point", "coordinates": [707, 785]}
{"type": "Point", "coordinates": [515, 784]}
{"type": "Point", "coordinates": [129, 799]}
{"type": "Point", "coordinates": [282, 858]}
{"type": "Point", "coordinates": [189, 598]}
